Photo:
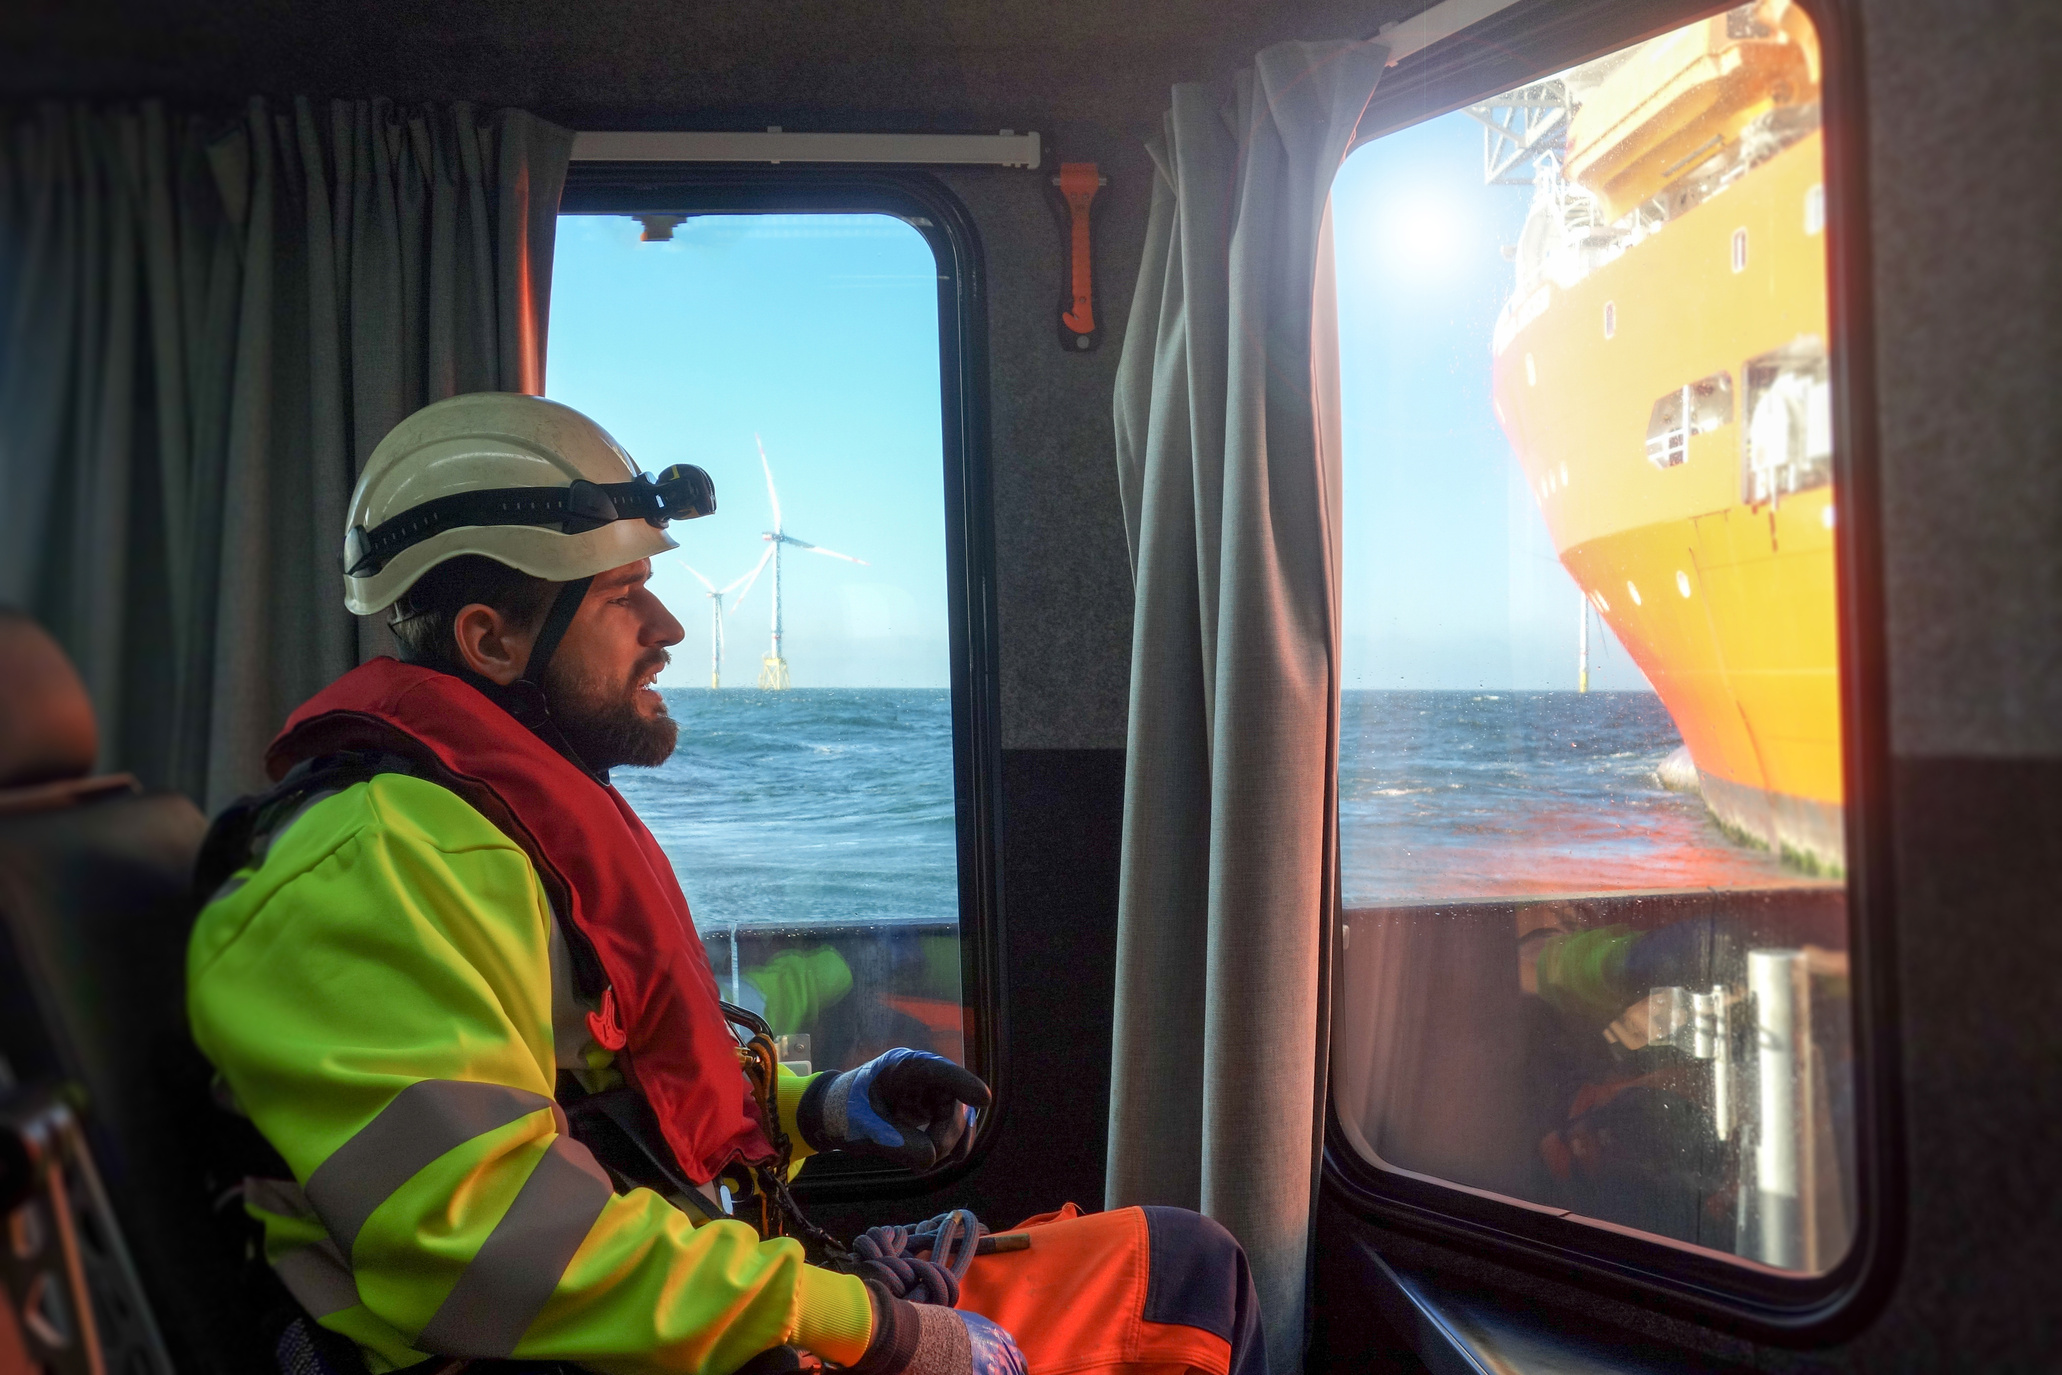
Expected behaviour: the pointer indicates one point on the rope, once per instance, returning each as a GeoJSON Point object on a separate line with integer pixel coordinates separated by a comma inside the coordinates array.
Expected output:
{"type": "Point", "coordinates": [924, 1263]}
{"type": "Point", "coordinates": [778, 1210]}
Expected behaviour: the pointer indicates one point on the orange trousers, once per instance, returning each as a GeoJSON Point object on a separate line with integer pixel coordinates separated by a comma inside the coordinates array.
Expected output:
{"type": "Point", "coordinates": [1138, 1291]}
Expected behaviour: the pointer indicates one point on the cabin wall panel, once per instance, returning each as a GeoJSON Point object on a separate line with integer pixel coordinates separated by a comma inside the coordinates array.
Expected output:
{"type": "Point", "coordinates": [1968, 305]}
{"type": "Point", "coordinates": [1980, 1033]}
{"type": "Point", "coordinates": [912, 64]}
{"type": "Point", "coordinates": [1062, 568]}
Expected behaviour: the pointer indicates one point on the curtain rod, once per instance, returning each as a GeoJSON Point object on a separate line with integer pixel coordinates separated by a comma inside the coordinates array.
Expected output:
{"type": "Point", "coordinates": [1443, 20]}
{"type": "Point", "coordinates": [1006, 149]}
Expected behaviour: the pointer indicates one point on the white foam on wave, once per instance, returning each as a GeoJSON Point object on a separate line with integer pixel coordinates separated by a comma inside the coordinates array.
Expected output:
{"type": "Point", "coordinates": [1678, 772]}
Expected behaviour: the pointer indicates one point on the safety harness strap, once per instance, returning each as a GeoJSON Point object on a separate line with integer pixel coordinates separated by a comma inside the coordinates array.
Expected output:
{"type": "Point", "coordinates": [618, 1126]}
{"type": "Point", "coordinates": [245, 828]}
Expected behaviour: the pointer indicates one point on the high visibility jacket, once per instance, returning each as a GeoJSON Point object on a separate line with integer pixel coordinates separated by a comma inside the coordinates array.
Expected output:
{"type": "Point", "coordinates": [376, 990]}
{"type": "Point", "coordinates": [609, 882]}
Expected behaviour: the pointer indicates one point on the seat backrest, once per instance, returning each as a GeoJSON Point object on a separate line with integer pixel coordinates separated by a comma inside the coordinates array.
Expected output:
{"type": "Point", "coordinates": [95, 910]}
{"type": "Point", "coordinates": [94, 915]}
{"type": "Point", "coordinates": [47, 731]}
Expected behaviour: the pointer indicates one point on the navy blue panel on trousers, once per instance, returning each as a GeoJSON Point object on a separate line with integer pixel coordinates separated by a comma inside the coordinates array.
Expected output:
{"type": "Point", "coordinates": [1197, 1276]}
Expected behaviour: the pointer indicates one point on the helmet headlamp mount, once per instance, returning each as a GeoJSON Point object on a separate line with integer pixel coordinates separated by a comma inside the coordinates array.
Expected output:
{"type": "Point", "coordinates": [681, 492]}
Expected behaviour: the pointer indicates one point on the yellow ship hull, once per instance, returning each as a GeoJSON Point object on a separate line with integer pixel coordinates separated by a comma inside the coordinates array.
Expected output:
{"type": "Point", "coordinates": [1725, 602]}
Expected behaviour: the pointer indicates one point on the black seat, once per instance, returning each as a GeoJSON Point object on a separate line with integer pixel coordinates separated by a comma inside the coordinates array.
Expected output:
{"type": "Point", "coordinates": [94, 916]}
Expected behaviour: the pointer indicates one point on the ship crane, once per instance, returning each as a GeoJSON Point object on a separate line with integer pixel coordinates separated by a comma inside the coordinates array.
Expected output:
{"type": "Point", "coordinates": [743, 587]}
{"type": "Point", "coordinates": [1518, 127]}
{"type": "Point", "coordinates": [773, 669]}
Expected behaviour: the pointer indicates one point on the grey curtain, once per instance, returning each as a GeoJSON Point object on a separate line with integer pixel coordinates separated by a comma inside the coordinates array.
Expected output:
{"type": "Point", "coordinates": [206, 324]}
{"type": "Point", "coordinates": [1228, 458]}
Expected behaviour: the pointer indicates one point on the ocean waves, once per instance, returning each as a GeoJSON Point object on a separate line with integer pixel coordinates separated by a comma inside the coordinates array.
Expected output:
{"type": "Point", "coordinates": [815, 806]}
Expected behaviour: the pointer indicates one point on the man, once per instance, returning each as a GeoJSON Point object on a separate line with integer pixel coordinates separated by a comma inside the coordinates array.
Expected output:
{"type": "Point", "coordinates": [451, 978]}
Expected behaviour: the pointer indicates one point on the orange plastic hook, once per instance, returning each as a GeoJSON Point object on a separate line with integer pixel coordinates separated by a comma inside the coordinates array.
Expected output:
{"type": "Point", "coordinates": [1079, 182]}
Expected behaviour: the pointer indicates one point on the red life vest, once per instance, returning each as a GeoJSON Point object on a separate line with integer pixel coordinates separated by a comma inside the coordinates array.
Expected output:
{"type": "Point", "coordinates": [602, 869]}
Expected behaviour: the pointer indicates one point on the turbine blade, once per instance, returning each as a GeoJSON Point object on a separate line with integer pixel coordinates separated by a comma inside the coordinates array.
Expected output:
{"type": "Point", "coordinates": [750, 578]}
{"type": "Point", "coordinates": [697, 573]}
{"type": "Point", "coordinates": [747, 580]}
{"type": "Point", "coordinates": [819, 549]}
{"type": "Point", "coordinates": [771, 495]}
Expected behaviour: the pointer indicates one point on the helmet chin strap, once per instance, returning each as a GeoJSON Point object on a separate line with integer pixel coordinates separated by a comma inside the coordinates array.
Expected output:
{"type": "Point", "coordinates": [525, 698]}
{"type": "Point", "coordinates": [556, 622]}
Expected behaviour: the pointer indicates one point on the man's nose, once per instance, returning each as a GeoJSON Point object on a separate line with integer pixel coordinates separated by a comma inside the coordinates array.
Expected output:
{"type": "Point", "coordinates": [662, 629]}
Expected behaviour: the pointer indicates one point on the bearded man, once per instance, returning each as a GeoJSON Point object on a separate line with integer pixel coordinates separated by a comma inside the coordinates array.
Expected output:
{"type": "Point", "coordinates": [451, 979]}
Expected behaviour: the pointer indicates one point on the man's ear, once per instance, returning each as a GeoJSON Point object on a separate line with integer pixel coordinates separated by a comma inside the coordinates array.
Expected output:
{"type": "Point", "coordinates": [489, 645]}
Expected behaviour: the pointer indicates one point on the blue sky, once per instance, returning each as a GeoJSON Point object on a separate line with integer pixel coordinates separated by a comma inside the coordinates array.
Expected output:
{"type": "Point", "coordinates": [819, 334]}
{"type": "Point", "coordinates": [1450, 579]}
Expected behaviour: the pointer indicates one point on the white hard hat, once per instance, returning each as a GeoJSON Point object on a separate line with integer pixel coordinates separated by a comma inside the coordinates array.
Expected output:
{"type": "Point", "coordinates": [529, 482]}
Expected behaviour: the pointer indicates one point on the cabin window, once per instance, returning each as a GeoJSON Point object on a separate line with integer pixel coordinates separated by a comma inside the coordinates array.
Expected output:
{"type": "Point", "coordinates": [1593, 964]}
{"type": "Point", "coordinates": [812, 808]}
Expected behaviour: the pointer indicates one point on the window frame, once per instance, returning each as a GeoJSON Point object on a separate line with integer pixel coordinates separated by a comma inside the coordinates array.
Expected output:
{"type": "Point", "coordinates": [929, 207]}
{"type": "Point", "coordinates": [1524, 43]}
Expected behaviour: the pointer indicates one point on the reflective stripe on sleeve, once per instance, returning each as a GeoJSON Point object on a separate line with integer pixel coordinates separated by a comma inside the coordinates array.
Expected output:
{"type": "Point", "coordinates": [318, 1278]}
{"type": "Point", "coordinates": [423, 1122]}
{"type": "Point", "coordinates": [516, 1269]}
{"type": "Point", "coordinates": [280, 1196]}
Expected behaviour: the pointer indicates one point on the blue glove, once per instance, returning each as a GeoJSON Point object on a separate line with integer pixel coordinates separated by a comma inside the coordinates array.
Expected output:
{"type": "Point", "coordinates": [908, 1107]}
{"type": "Point", "coordinates": [995, 1351]}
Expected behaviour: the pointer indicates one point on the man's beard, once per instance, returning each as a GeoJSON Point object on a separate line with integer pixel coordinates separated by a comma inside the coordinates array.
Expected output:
{"type": "Point", "coordinates": [600, 720]}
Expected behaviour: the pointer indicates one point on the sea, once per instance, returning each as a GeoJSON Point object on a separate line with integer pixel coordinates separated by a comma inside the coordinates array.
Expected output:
{"type": "Point", "coordinates": [1494, 794]}
{"type": "Point", "coordinates": [813, 806]}
{"type": "Point", "coordinates": [834, 806]}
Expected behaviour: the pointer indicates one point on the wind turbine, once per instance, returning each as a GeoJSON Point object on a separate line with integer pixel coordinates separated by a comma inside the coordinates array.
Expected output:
{"type": "Point", "coordinates": [773, 669]}
{"type": "Point", "coordinates": [716, 596]}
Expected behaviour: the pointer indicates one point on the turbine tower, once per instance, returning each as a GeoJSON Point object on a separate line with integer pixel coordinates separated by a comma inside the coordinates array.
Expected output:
{"type": "Point", "coordinates": [773, 669]}
{"type": "Point", "coordinates": [716, 596]}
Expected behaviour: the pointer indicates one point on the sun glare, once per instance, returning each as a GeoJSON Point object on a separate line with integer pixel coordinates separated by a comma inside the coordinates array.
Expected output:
{"type": "Point", "coordinates": [1422, 234]}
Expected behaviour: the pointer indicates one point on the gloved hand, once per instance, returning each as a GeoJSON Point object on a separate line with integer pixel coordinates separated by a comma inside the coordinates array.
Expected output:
{"type": "Point", "coordinates": [1691, 954]}
{"type": "Point", "coordinates": [993, 1351]}
{"type": "Point", "coordinates": [925, 1339]}
{"type": "Point", "coordinates": [908, 1107]}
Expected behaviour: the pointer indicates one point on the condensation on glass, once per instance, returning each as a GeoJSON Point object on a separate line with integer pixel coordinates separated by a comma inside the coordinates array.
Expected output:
{"type": "Point", "coordinates": [1595, 951]}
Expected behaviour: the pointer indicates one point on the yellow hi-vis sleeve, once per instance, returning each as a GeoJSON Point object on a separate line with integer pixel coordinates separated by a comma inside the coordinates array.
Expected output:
{"type": "Point", "coordinates": [376, 991]}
